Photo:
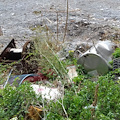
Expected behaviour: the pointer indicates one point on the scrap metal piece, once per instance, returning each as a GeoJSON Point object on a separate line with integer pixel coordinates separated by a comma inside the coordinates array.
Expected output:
{"type": "Point", "coordinates": [6, 51]}
{"type": "Point", "coordinates": [26, 47]}
{"type": "Point", "coordinates": [98, 57]}
{"type": "Point", "coordinates": [11, 53]}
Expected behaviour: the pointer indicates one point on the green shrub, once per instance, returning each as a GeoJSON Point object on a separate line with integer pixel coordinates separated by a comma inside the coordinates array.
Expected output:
{"type": "Point", "coordinates": [116, 53]}
{"type": "Point", "coordinates": [78, 104]}
{"type": "Point", "coordinates": [15, 101]}
{"type": "Point", "coordinates": [109, 97]}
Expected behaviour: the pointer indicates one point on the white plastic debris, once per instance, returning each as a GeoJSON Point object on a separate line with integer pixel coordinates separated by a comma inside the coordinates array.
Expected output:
{"type": "Point", "coordinates": [72, 71]}
{"type": "Point", "coordinates": [98, 57]}
{"type": "Point", "coordinates": [15, 50]}
{"type": "Point", "coordinates": [46, 92]}
{"type": "Point", "coordinates": [12, 14]}
{"type": "Point", "coordinates": [1, 86]}
{"type": "Point", "coordinates": [15, 118]}
{"type": "Point", "coordinates": [91, 106]}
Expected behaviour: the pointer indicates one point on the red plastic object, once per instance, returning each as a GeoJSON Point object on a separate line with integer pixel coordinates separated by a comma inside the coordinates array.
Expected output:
{"type": "Point", "coordinates": [38, 77]}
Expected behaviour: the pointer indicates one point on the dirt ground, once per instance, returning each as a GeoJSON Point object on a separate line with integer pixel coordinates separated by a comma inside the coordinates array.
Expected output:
{"type": "Point", "coordinates": [87, 19]}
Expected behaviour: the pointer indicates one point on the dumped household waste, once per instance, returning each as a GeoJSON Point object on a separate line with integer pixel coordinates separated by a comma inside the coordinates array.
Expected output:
{"type": "Point", "coordinates": [72, 72]}
{"type": "Point", "coordinates": [11, 53]}
{"type": "Point", "coordinates": [19, 79]}
{"type": "Point", "coordinates": [73, 49]}
{"type": "Point", "coordinates": [46, 92]}
{"type": "Point", "coordinates": [96, 59]}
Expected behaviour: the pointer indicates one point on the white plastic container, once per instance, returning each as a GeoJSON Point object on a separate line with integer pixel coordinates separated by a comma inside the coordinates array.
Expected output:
{"type": "Point", "coordinates": [96, 60]}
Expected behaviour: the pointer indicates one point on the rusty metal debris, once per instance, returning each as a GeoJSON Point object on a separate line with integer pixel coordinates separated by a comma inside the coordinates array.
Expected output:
{"type": "Point", "coordinates": [6, 53]}
{"type": "Point", "coordinates": [11, 53]}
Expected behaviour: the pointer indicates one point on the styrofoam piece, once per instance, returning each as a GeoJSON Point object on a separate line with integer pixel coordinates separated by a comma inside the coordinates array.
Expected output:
{"type": "Point", "coordinates": [46, 92]}
{"type": "Point", "coordinates": [15, 50]}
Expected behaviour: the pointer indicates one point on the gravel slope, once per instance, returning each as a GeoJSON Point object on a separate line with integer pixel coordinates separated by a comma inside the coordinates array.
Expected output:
{"type": "Point", "coordinates": [16, 16]}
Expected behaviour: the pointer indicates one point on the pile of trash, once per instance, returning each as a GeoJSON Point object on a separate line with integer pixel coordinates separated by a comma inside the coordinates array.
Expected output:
{"type": "Point", "coordinates": [95, 61]}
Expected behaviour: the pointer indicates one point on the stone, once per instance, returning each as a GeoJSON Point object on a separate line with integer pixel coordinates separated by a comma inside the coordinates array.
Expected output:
{"type": "Point", "coordinates": [1, 33]}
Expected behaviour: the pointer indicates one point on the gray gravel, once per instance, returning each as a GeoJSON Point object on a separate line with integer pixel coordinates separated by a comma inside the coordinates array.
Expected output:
{"type": "Point", "coordinates": [16, 16]}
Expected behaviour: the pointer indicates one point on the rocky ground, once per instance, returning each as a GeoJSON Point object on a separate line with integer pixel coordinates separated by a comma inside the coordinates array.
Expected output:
{"type": "Point", "coordinates": [88, 20]}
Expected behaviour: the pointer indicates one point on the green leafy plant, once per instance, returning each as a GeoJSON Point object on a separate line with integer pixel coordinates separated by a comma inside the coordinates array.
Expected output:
{"type": "Point", "coordinates": [109, 97]}
{"type": "Point", "coordinates": [15, 101]}
{"type": "Point", "coordinates": [78, 105]}
{"type": "Point", "coordinates": [116, 53]}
